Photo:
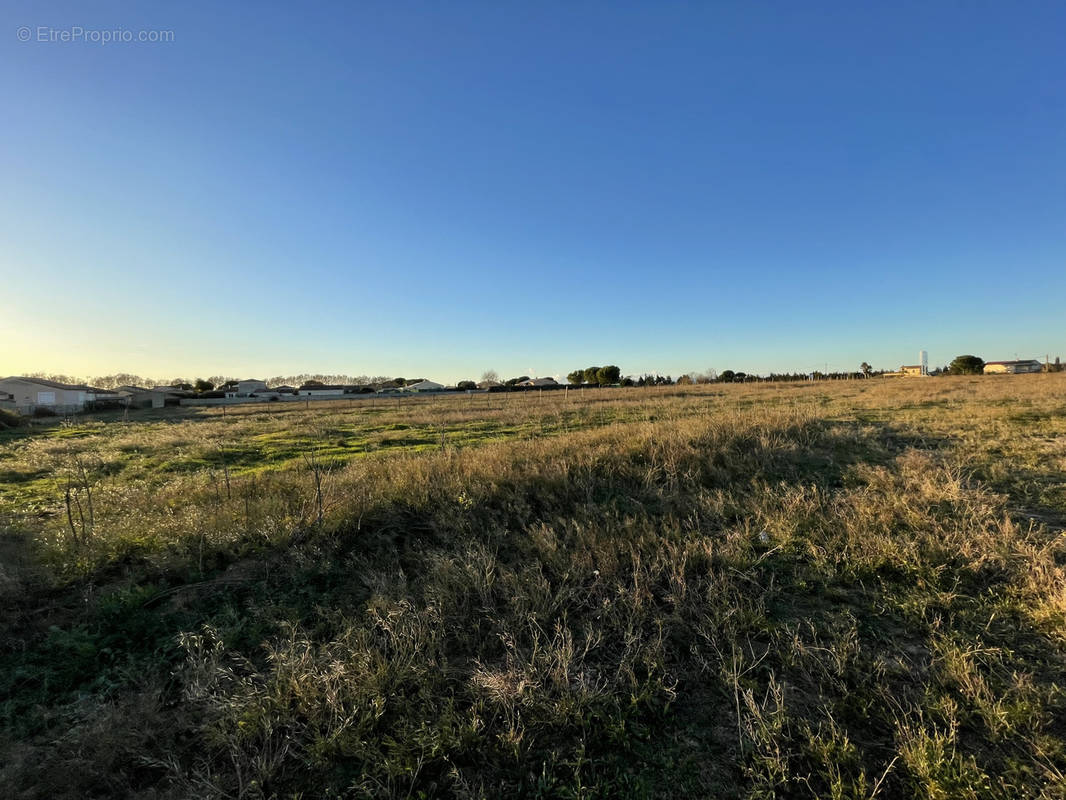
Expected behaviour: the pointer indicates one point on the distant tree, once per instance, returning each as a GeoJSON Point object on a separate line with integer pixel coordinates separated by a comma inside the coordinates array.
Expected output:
{"type": "Point", "coordinates": [202, 385]}
{"type": "Point", "coordinates": [313, 383]}
{"type": "Point", "coordinates": [866, 369]}
{"type": "Point", "coordinates": [490, 375]}
{"type": "Point", "coordinates": [466, 385]}
{"type": "Point", "coordinates": [608, 376]}
{"type": "Point", "coordinates": [57, 378]}
{"type": "Point", "coordinates": [515, 381]}
{"type": "Point", "coordinates": [180, 384]}
{"type": "Point", "coordinates": [726, 376]}
{"type": "Point", "coordinates": [740, 377]}
{"type": "Point", "coordinates": [707, 376]}
{"type": "Point", "coordinates": [119, 379]}
{"type": "Point", "coordinates": [685, 380]}
{"type": "Point", "coordinates": [628, 381]}
{"type": "Point", "coordinates": [590, 375]}
{"type": "Point", "coordinates": [577, 377]}
{"type": "Point", "coordinates": [966, 365]}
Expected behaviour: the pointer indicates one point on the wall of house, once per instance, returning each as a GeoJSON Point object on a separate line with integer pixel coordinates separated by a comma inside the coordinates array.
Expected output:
{"type": "Point", "coordinates": [28, 395]}
{"type": "Point", "coordinates": [247, 387]}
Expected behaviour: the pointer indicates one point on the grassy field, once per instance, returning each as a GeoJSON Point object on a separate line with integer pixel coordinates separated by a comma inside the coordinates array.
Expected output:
{"type": "Point", "coordinates": [840, 590]}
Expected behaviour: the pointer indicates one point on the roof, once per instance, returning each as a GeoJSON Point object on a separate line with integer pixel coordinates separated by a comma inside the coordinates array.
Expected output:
{"type": "Point", "coordinates": [51, 384]}
{"type": "Point", "coordinates": [315, 386]}
{"type": "Point", "coordinates": [911, 366]}
{"type": "Point", "coordinates": [1013, 363]}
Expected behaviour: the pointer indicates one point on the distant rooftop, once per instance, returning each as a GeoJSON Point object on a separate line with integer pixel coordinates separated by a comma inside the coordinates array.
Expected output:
{"type": "Point", "coordinates": [53, 384]}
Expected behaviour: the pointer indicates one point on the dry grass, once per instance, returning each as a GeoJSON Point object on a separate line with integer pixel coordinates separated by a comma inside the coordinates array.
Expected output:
{"type": "Point", "coordinates": [838, 590]}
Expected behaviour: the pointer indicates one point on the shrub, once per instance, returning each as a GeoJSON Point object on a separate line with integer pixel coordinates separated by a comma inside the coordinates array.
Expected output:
{"type": "Point", "coordinates": [9, 419]}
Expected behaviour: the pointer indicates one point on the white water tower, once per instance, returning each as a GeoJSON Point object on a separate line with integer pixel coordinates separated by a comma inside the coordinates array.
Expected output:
{"type": "Point", "coordinates": [923, 359]}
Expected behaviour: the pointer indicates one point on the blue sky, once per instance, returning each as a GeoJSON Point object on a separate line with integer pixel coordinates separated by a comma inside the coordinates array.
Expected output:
{"type": "Point", "coordinates": [442, 188]}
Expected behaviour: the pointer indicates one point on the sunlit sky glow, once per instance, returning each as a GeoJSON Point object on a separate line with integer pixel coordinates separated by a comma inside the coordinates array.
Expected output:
{"type": "Point", "coordinates": [440, 188]}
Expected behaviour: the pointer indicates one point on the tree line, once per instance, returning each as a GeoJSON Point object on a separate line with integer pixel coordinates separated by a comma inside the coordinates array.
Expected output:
{"type": "Point", "coordinates": [610, 375]}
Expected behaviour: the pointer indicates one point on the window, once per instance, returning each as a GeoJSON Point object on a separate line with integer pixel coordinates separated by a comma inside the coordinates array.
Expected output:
{"type": "Point", "coordinates": [46, 398]}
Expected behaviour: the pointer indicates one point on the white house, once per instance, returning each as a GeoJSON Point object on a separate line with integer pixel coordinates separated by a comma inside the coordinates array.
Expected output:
{"type": "Point", "coordinates": [243, 388]}
{"type": "Point", "coordinates": [424, 386]}
{"type": "Point", "coordinates": [28, 394]}
{"type": "Point", "coordinates": [250, 386]}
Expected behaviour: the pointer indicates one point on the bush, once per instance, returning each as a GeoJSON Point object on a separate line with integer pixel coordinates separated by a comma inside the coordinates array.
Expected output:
{"type": "Point", "coordinates": [9, 419]}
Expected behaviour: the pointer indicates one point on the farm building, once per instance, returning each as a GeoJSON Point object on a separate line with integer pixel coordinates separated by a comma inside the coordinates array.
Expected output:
{"type": "Point", "coordinates": [1012, 367]}
{"type": "Point", "coordinates": [540, 382]}
{"type": "Point", "coordinates": [29, 394]}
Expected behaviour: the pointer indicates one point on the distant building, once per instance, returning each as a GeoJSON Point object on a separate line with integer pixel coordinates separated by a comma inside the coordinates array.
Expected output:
{"type": "Point", "coordinates": [29, 394]}
{"type": "Point", "coordinates": [1013, 367]}
{"type": "Point", "coordinates": [424, 386]}
{"type": "Point", "coordinates": [320, 390]}
{"type": "Point", "coordinates": [250, 387]}
{"type": "Point", "coordinates": [172, 391]}
{"type": "Point", "coordinates": [489, 384]}
{"type": "Point", "coordinates": [541, 382]}
{"type": "Point", "coordinates": [139, 397]}
{"type": "Point", "coordinates": [913, 370]}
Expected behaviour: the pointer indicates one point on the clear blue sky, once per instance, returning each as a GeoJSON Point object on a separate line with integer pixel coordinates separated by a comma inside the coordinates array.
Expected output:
{"type": "Point", "coordinates": [440, 188]}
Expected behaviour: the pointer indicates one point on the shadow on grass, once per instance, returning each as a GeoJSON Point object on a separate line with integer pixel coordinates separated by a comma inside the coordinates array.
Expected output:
{"type": "Point", "coordinates": [690, 649]}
